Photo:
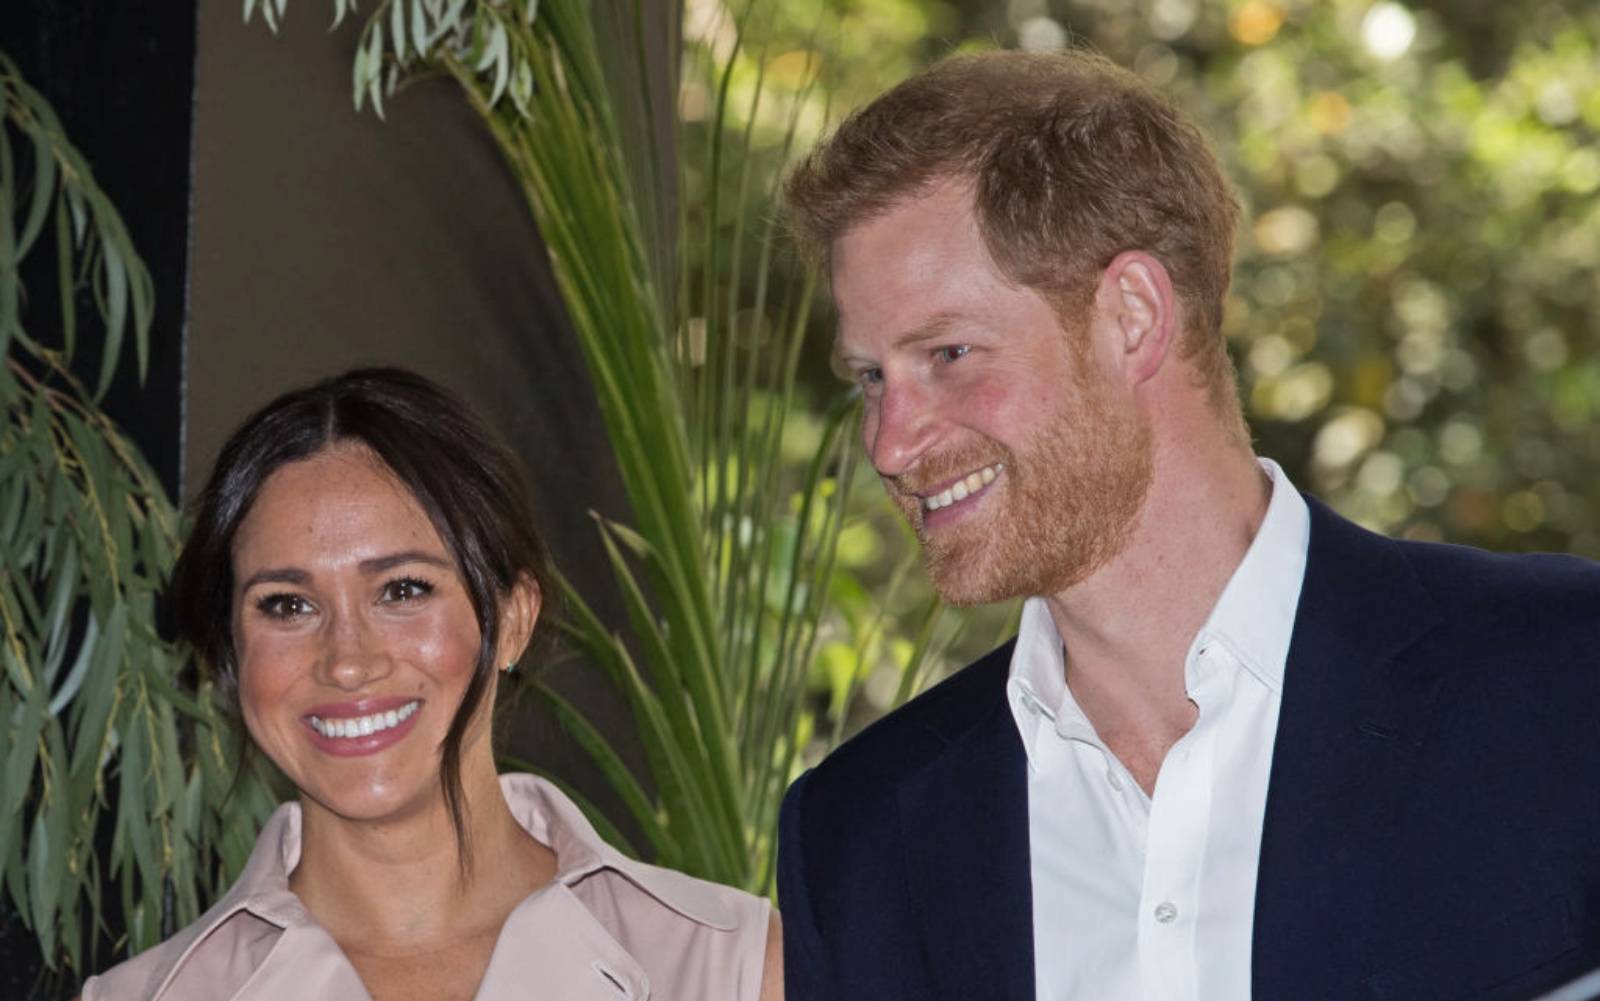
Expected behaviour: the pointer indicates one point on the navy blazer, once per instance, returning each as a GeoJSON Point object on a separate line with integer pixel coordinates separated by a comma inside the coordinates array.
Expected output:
{"type": "Point", "coordinates": [1432, 826]}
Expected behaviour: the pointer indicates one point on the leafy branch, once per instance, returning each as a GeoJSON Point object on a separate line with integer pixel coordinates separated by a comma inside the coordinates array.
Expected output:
{"type": "Point", "coordinates": [101, 734]}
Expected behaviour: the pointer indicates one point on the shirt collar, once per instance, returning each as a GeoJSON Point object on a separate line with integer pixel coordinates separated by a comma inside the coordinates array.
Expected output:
{"type": "Point", "coordinates": [539, 807]}
{"type": "Point", "coordinates": [545, 812]}
{"type": "Point", "coordinates": [1253, 618]}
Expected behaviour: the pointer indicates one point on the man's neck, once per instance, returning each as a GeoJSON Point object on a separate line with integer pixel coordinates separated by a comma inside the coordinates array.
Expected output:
{"type": "Point", "coordinates": [1127, 629]}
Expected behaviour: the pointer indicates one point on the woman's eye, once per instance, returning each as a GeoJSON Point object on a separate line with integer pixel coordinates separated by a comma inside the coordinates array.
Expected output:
{"type": "Point", "coordinates": [406, 589]}
{"type": "Point", "coordinates": [283, 606]}
{"type": "Point", "coordinates": [954, 352]}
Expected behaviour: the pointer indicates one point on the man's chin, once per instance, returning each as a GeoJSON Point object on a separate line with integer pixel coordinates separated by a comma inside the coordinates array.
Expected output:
{"type": "Point", "coordinates": [967, 583]}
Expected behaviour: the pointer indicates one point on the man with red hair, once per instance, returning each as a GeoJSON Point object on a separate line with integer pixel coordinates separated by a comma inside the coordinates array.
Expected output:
{"type": "Point", "coordinates": [1240, 747]}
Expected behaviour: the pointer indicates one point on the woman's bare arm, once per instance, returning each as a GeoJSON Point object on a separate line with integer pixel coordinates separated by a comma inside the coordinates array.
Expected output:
{"type": "Point", "coordinates": [772, 971]}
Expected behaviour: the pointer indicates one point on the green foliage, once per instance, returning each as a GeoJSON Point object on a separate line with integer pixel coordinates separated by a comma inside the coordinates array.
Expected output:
{"type": "Point", "coordinates": [98, 729]}
{"type": "Point", "coordinates": [731, 560]}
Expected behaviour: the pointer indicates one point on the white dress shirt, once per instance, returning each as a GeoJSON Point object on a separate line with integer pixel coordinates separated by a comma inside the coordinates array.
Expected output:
{"type": "Point", "coordinates": [1153, 897]}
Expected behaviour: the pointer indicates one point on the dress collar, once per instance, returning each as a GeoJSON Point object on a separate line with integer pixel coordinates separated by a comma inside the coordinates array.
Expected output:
{"type": "Point", "coordinates": [545, 812]}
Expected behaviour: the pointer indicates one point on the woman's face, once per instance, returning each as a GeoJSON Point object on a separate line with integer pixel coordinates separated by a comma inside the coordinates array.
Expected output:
{"type": "Point", "coordinates": [355, 636]}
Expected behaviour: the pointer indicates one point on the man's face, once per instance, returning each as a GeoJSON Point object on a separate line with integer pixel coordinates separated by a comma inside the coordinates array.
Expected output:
{"type": "Point", "coordinates": [1007, 442]}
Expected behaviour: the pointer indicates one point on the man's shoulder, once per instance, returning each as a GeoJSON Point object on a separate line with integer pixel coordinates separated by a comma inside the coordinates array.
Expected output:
{"type": "Point", "coordinates": [1466, 590]}
{"type": "Point", "coordinates": [906, 739]}
{"type": "Point", "coordinates": [1476, 590]}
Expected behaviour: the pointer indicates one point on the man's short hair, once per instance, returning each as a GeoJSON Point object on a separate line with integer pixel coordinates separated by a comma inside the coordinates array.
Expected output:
{"type": "Point", "coordinates": [1072, 160]}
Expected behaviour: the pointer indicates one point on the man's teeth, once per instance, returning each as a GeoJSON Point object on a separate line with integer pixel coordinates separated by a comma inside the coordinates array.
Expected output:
{"type": "Point", "coordinates": [363, 726]}
{"type": "Point", "coordinates": [963, 488]}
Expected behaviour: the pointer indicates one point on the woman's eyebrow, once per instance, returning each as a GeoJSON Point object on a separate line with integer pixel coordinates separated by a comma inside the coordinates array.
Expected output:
{"type": "Point", "coordinates": [275, 575]}
{"type": "Point", "coordinates": [373, 565]}
{"type": "Point", "coordinates": [378, 564]}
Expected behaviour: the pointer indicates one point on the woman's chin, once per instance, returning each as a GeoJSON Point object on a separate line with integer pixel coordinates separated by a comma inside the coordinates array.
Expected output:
{"type": "Point", "coordinates": [375, 798]}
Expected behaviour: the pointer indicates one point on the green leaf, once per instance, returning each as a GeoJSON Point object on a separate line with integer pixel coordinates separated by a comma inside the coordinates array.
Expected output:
{"type": "Point", "coordinates": [44, 189]}
{"type": "Point", "coordinates": [116, 294]}
{"type": "Point", "coordinates": [22, 742]}
{"type": "Point", "coordinates": [397, 28]}
{"type": "Point", "coordinates": [66, 288]}
{"type": "Point", "coordinates": [610, 763]}
{"type": "Point", "coordinates": [42, 887]}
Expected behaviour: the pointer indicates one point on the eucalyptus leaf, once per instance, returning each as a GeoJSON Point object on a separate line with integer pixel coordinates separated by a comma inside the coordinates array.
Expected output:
{"type": "Point", "coordinates": [86, 535]}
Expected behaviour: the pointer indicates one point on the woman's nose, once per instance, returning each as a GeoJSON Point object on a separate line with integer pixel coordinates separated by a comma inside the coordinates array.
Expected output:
{"type": "Point", "coordinates": [353, 655]}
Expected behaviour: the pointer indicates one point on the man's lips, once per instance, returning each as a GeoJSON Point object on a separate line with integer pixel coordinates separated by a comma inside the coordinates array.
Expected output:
{"type": "Point", "coordinates": [960, 488]}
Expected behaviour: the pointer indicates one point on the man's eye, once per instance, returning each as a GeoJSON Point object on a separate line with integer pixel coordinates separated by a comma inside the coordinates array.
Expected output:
{"type": "Point", "coordinates": [283, 606]}
{"type": "Point", "coordinates": [953, 352]}
{"type": "Point", "coordinates": [406, 589]}
{"type": "Point", "coordinates": [869, 377]}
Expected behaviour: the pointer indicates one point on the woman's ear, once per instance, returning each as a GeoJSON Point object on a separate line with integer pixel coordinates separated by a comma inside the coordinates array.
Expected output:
{"type": "Point", "coordinates": [518, 614]}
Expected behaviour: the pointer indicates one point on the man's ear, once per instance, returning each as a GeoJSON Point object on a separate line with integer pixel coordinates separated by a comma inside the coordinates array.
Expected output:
{"type": "Point", "coordinates": [1135, 295]}
{"type": "Point", "coordinates": [519, 611]}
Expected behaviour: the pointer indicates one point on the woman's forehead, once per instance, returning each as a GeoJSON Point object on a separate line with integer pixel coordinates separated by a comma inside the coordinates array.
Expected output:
{"type": "Point", "coordinates": [341, 504]}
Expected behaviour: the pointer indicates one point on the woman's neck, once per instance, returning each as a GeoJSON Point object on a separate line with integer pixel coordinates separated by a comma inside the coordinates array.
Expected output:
{"type": "Point", "coordinates": [398, 885]}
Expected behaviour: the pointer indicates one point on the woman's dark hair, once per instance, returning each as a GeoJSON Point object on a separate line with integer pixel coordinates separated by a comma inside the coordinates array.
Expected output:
{"type": "Point", "coordinates": [470, 485]}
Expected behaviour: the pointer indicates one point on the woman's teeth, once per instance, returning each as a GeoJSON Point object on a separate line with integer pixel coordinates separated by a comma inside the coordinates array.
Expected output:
{"type": "Point", "coordinates": [963, 488]}
{"type": "Point", "coordinates": [363, 726]}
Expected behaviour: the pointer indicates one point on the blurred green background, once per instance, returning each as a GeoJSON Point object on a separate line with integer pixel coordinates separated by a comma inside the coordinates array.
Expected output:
{"type": "Point", "coordinates": [1416, 304]}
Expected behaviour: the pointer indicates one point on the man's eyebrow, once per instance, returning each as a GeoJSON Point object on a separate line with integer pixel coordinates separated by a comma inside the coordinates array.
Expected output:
{"type": "Point", "coordinates": [936, 326]}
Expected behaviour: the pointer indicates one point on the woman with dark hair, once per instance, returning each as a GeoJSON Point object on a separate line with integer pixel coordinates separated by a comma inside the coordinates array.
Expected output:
{"type": "Point", "coordinates": [361, 568]}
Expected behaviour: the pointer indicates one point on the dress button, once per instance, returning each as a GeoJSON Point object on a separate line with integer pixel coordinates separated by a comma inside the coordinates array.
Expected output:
{"type": "Point", "coordinates": [1166, 912]}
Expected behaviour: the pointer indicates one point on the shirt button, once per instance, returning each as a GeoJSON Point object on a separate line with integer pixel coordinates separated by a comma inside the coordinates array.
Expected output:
{"type": "Point", "coordinates": [1113, 781]}
{"type": "Point", "coordinates": [1166, 912]}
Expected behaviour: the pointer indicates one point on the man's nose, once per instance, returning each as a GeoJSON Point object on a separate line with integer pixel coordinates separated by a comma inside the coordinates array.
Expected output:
{"type": "Point", "coordinates": [352, 656]}
{"type": "Point", "coordinates": [898, 427]}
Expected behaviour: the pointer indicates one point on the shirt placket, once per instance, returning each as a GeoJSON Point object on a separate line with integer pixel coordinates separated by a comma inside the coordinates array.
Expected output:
{"type": "Point", "coordinates": [1175, 844]}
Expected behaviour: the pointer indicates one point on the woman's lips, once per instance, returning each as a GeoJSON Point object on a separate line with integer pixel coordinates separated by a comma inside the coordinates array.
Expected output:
{"type": "Point", "coordinates": [365, 726]}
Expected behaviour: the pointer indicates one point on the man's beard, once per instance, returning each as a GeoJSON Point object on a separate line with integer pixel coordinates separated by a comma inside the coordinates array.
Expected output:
{"type": "Point", "coordinates": [1068, 502]}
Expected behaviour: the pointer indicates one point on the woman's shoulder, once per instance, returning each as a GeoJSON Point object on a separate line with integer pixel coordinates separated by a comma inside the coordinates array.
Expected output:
{"type": "Point", "coordinates": [691, 937]}
{"type": "Point", "coordinates": [226, 942]}
{"type": "Point", "coordinates": [207, 960]}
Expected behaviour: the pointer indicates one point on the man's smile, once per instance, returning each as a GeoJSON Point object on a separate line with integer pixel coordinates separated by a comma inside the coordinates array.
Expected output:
{"type": "Point", "coordinates": [967, 486]}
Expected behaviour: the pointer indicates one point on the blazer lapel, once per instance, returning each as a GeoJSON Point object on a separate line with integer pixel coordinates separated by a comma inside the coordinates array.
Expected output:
{"type": "Point", "coordinates": [965, 818]}
{"type": "Point", "coordinates": [1352, 718]}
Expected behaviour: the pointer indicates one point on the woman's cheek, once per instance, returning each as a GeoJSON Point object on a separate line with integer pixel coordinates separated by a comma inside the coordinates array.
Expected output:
{"type": "Point", "coordinates": [442, 645]}
{"type": "Point", "coordinates": [267, 674]}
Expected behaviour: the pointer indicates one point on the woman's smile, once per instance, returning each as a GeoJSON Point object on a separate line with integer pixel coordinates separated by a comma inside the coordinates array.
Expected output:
{"type": "Point", "coordinates": [363, 727]}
